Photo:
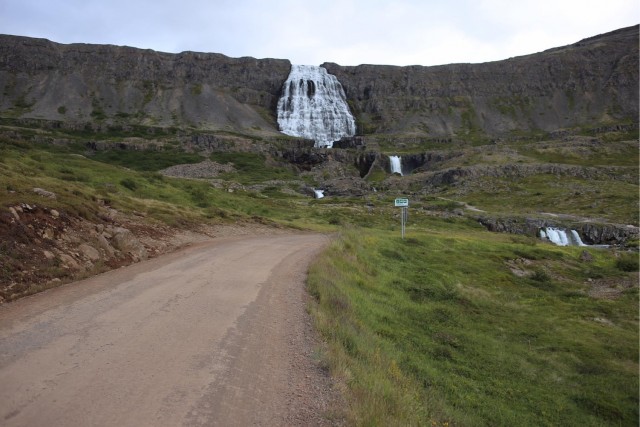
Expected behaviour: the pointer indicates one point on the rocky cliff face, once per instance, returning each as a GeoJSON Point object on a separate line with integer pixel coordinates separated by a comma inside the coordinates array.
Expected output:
{"type": "Point", "coordinates": [592, 81]}
{"type": "Point", "coordinates": [112, 84]}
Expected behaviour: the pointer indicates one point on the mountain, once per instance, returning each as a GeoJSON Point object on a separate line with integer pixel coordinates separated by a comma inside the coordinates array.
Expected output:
{"type": "Point", "coordinates": [590, 83]}
{"type": "Point", "coordinates": [123, 85]}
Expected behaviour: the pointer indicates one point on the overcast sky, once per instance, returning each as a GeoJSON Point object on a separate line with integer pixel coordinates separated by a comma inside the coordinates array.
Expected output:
{"type": "Point", "coordinates": [348, 32]}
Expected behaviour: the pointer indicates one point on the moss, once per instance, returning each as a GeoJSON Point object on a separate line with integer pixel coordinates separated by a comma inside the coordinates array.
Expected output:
{"type": "Point", "coordinates": [196, 89]}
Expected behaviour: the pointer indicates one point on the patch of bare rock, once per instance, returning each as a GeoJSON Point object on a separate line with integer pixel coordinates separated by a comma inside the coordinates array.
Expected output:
{"type": "Point", "coordinates": [204, 169]}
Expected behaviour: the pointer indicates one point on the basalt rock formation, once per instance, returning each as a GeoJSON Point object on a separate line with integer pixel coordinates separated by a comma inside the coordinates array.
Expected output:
{"type": "Point", "coordinates": [592, 82]}
{"type": "Point", "coordinates": [122, 85]}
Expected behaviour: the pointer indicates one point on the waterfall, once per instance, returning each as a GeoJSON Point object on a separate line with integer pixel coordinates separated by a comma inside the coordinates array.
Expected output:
{"type": "Point", "coordinates": [561, 238]}
{"type": "Point", "coordinates": [396, 164]}
{"type": "Point", "coordinates": [576, 238]}
{"type": "Point", "coordinates": [313, 105]}
{"type": "Point", "coordinates": [319, 194]}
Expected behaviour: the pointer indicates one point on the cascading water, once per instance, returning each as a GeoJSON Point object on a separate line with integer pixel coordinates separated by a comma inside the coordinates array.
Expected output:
{"type": "Point", "coordinates": [577, 239]}
{"type": "Point", "coordinates": [313, 105]}
{"type": "Point", "coordinates": [396, 164]}
{"type": "Point", "coordinates": [561, 238]}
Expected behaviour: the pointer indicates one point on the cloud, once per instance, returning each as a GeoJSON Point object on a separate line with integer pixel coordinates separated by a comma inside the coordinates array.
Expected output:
{"type": "Point", "coordinates": [349, 32]}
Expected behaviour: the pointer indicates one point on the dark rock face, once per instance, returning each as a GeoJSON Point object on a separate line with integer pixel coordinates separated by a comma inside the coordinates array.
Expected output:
{"type": "Point", "coordinates": [591, 233]}
{"type": "Point", "coordinates": [589, 82]}
{"type": "Point", "coordinates": [592, 82]}
{"type": "Point", "coordinates": [451, 176]}
{"type": "Point", "coordinates": [97, 83]}
{"type": "Point", "coordinates": [607, 234]}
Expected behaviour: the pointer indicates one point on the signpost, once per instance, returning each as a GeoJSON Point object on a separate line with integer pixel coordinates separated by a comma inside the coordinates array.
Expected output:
{"type": "Point", "coordinates": [403, 204]}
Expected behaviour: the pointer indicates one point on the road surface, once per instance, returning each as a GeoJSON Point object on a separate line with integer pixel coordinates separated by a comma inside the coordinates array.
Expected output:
{"type": "Point", "coordinates": [214, 334]}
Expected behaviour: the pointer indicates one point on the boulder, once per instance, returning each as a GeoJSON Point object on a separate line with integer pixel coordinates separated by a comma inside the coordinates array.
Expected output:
{"type": "Point", "coordinates": [124, 241]}
{"type": "Point", "coordinates": [89, 252]}
{"type": "Point", "coordinates": [44, 193]}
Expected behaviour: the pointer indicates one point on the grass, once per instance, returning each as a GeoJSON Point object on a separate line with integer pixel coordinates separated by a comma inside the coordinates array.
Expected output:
{"type": "Point", "coordinates": [251, 168]}
{"type": "Point", "coordinates": [146, 160]}
{"type": "Point", "coordinates": [432, 330]}
{"type": "Point", "coordinates": [436, 330]}
{"type": "Point", "coordinates": [610, 199]}
{"type": "Point", "coordinates": [127, 181]}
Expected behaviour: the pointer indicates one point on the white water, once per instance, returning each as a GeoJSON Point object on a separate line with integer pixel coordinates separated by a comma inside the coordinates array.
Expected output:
{"type": "Point", "coordinates": [576, 238]}
{"type": "Point", "coordinates": [313, 105]}
{"type": "Point", "coordinates": [396, 164]}
{"type": "Point", "coordinates": [561, 238]}
{"type": "Point", "coordinates": [319, 194]}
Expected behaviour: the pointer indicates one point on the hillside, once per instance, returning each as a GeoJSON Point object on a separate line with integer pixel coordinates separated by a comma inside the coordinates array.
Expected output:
{"type": "Point", "coordinates": [592, 82]}
{"type": "Point", "coordinates": [80, 83]}
{"type": "Point", "coordinates": [114, 155]}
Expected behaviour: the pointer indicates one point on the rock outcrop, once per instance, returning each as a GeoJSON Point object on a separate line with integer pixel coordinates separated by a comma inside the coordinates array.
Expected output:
{"type": "Point", "coordinates": [123, 85]}
{"type": "Point", "coordinates": [592, 233]}
{"type": "Point", "coordinates": [592, 81]}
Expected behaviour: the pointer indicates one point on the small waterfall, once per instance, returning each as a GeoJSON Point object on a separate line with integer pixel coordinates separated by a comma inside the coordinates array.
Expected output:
{"type": "Point", "coordinates": [560, 237]}
{"type": "Point", "coordinates": [319, 194]}
{"type": "Point", "coordinates": [396, 164]}
{"type": "Point", "coordinates": [576, 238]}
{"type": "Point", "coordinates": [313, 105]}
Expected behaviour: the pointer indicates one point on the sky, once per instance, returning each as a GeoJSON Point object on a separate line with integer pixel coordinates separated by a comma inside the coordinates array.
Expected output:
{"type": "Point", "coordinates": [347, 32]}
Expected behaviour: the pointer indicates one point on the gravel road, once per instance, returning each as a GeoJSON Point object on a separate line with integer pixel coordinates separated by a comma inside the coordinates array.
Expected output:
{"type": "Point", "coordinates": [215, 334]}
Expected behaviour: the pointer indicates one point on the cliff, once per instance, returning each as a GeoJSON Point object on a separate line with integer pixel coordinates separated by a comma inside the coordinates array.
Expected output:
{"type": "Point", "coordinates": [113, 84]}
{"type": "Point", "coordinates": [591, 83]}
{"type": "Point", "coordinates": [594, 81]}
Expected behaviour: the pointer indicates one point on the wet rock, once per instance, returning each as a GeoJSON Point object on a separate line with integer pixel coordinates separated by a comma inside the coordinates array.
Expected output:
{"type": "Point", "coordinates": [608, 234]}
{"type": "Point", "coordinates": [592, 233]}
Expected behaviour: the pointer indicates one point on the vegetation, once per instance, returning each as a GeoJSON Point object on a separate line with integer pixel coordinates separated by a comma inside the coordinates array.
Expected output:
{"type": "Point", "coordinates": [451, 326]}
{"type": "Point", "coordinates": [437, 330]}
{"type": "Point", "coordinates": [251, 167]}
{"type": "Point", "coordinates": [146, 160]}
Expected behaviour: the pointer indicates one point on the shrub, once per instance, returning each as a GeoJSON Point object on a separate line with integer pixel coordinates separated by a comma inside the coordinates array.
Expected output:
{"type": "Point", "coordinates": [628, 262]}
{"type": "Point", "coordinates": [540, 276]}
{"type": "Point", "coordinates": [129, 183]}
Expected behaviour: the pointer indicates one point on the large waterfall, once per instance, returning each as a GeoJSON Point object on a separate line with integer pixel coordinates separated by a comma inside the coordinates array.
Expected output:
{"type": "Point", "coordinates": [313, 105]}
{"type": "Point", "coordinates": [396, 164]}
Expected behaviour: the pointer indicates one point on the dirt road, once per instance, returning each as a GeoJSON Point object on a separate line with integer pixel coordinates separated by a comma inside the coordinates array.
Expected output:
{"type": "Point", "coordinates": [215, 334]}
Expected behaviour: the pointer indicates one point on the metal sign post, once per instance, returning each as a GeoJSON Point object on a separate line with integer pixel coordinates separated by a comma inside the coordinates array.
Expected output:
{"type": "Point", "coordinates": [403, 204]}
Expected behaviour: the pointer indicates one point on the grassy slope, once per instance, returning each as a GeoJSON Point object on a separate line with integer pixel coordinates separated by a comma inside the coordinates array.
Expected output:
{"type": "Point", "coordinates": [432, 330]}
{"type": "Point", "coordinates": [437, 330]}
{"type": "Point", "coordinates": [82, 184]}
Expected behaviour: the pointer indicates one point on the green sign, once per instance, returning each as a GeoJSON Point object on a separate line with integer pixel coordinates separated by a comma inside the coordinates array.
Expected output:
{"type": "Point", "coordinates": [402, 203]}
